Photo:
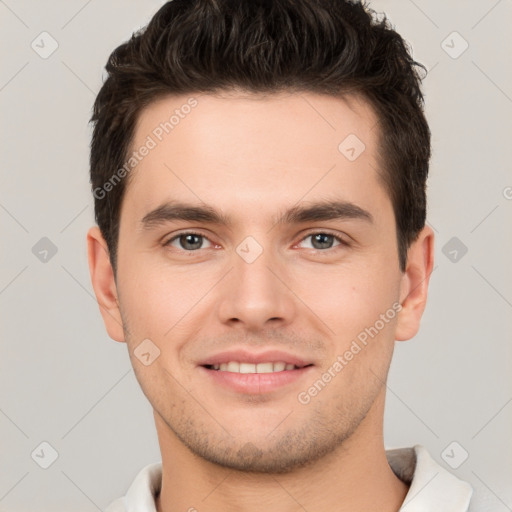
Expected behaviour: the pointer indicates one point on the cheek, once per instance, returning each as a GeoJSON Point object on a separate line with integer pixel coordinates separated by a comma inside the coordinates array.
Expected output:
{"type": "Point", "coordinates": [158, 300]}
{"type": "Point", "coordinates": [360, 309]}
{"type": "Point", "coordinates": [352, 298]}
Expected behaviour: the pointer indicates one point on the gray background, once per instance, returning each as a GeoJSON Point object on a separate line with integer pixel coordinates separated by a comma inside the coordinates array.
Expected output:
{"type": "Point", "coordinates": [64, 382]}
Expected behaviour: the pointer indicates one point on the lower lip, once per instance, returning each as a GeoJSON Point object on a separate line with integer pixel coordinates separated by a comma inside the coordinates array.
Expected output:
{"type": "Point", "coordinates": [255, 383]}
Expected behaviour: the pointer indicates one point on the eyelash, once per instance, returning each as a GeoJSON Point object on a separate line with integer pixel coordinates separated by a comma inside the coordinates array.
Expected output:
{"type": "Point", "coordinates": [337, 238]}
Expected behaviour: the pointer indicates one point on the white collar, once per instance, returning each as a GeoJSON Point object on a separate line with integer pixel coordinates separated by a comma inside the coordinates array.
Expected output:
{"type": "Point", "coordinates": [432, 488]}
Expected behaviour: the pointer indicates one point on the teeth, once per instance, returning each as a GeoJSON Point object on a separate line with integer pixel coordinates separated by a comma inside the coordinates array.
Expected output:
{"type": "Point", "coordinates": [247, 368]}
{"type": "Point", "coordinates": [279, 367]}
{"type": "Point", "coordinates": [268, 367]}
{"type": "Point", "coordinates": [233, 366]}
{"type": "Point", "coordinates": [264, 368]}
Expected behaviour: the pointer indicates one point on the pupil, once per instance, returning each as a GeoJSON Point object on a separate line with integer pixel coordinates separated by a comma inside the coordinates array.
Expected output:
{"type": "Point", "coordinates": [191, 241]}
{"type": "Point", "coordinates": [322, 241]}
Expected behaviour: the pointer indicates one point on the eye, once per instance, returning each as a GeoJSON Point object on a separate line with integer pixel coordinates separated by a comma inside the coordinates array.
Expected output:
{"type": "Point", "coordinates": [321, 240]}
{"type": "Point", "coordinates": [188, 241]}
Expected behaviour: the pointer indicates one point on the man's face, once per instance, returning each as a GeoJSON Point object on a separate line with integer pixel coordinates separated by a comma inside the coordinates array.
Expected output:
{"type": "Point", "coordinates": [261, 287]}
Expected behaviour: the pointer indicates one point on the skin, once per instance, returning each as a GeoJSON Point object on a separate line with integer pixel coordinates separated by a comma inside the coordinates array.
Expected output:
{"type": "Point", "coordinates": [251, 157]}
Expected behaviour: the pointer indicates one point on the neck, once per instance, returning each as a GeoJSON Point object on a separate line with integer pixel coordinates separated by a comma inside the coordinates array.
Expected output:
{"type": "Point", "coordinates": [354, 477]}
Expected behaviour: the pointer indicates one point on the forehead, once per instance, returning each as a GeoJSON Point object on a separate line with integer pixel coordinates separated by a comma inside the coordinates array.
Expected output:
{"type": "Point", "coordinates": [252, 149]}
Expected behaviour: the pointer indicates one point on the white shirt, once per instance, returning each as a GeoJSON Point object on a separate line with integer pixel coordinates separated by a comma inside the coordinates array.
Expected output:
{"type": "Point", "coordinates": [432, 488]}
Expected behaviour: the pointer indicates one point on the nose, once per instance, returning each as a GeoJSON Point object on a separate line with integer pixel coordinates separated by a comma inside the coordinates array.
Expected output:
{"type": "Point", "coordinates": [256, 295]}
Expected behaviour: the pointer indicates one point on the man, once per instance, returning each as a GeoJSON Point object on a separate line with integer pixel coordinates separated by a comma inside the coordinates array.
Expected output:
{"type": "Point", "coordinates": [259, 176]}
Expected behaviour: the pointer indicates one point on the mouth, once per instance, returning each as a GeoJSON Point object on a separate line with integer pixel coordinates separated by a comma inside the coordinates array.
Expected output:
{"type": "Point", "coordinates": [244, 367]}
{"type": "Point", "coordinates": [255, 374]}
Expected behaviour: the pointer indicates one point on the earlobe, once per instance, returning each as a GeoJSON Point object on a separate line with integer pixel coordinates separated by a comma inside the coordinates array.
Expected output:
{"type": "Point", "coordinates": [103, 282]}
{"type": "Point", "coordinates": [414, 286]}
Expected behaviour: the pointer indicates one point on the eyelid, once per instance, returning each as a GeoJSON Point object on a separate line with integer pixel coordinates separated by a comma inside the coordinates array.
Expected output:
{"type": "Point", "coordinates": [184, 233]}
{"type": "Point", "coordinates": [312, 232]}
{"type": "Point", "coordinates": [336, 235]}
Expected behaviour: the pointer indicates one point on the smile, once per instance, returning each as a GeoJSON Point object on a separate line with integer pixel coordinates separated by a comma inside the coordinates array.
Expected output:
{"type": "Point", "coordinates": [243, 367]}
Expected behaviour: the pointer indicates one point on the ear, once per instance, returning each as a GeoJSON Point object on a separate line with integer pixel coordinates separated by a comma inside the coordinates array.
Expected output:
{"type": "Point", "coordinates": [103, 282]}
{"type": "Point", "coordinates": [414, 285]}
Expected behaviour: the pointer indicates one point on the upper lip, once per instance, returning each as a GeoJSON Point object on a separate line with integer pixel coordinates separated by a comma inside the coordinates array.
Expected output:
{"type": "Point", "coordinates": [245, 356]}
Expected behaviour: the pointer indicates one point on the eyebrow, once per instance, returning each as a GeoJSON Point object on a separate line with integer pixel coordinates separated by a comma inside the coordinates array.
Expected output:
{"type": "Point", "coordinates": [319, 211]}
{"type": "Point", "coordinates": [325, 210]}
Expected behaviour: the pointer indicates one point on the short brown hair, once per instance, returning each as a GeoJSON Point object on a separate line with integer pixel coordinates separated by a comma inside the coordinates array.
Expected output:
{"type": "Point", "coordinates": [334, 47]}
